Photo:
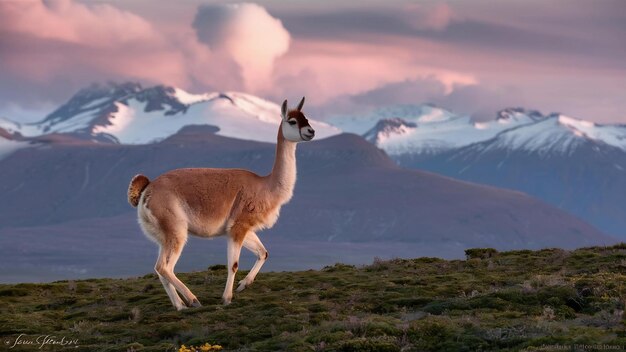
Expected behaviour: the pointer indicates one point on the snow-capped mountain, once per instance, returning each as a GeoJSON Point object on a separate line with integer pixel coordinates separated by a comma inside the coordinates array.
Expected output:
{"type": "Point", "coordinates": [577, 165]}
{"type": "Point", "coordinates": [389, 128]}
{"type": "Point", "coordinates": [560, 134]}
{"type": "Point", "coordinates": [513, 129]}
{"type": "Point", "coordinates": [130, 114]}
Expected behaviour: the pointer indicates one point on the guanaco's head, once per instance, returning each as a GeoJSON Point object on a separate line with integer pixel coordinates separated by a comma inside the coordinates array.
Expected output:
{"type": "Point", "coordinates": [295, 125]}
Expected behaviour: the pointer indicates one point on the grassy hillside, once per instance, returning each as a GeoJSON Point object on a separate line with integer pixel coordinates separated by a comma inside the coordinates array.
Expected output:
{"type": "Point", "coordinates": [511, 300]}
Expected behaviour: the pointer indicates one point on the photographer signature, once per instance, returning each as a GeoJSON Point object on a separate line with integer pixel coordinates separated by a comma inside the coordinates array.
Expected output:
{"type": "Point", "coordinates": [41, 341]}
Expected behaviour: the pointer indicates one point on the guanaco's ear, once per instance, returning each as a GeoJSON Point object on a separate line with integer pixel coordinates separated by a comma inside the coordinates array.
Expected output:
{"type": "Point", "coordinates": [283, 110]}
{"type": "Point", "coordinates": [300, 104]}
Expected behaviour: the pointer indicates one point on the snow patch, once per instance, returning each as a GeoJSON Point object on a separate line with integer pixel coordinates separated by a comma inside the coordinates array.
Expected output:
{"type": "Point", "coordinates": [118, 120]}
{"type": "Point", "coordinates": [189, 98]}
{"type": "Point", "coordinates": [575, 123]}
{"type": "Point", "coordinates": [78, 122]}
{"type": "Point", "coordinates": [10, 126]}
{"type": "Point", "coordinates": [613, 135]}
{"type": "Point", "coordinates": [434, 115]}
{"type": "Point", "coordinates": [96, 102]}
{"type": "Point", "coordinates": [544, 137]}
{"type": "Point", "coordinates": [361, 123]}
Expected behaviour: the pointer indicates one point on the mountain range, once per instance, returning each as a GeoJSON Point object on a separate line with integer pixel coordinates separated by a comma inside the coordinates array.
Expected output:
{"type": "Point", "coordinates": [131, 114]}
{"type": "Point", "coordinates": [576, 165]}
{"type": "Point", "coordinates": [64, 183]}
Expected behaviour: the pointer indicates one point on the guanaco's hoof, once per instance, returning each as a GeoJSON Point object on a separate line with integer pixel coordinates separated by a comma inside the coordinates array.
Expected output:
{"type": "Point", "coordinates": [195, 303]}
{"type": "Point", "coordinates": [242, 286]}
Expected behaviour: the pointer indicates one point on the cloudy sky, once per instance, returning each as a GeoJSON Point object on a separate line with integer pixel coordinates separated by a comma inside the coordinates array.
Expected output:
{"type": "Point", "coordinates": [472, 57]}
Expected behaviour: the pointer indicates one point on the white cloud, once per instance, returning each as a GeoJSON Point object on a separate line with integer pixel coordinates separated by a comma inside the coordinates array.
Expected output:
{"type": "Point", "coordinates": [249, 34]}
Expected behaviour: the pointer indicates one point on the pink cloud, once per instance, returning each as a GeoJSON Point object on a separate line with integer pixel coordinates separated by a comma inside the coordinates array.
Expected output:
{"type": "Point", "coordinates": [49, 50]}
{"type": "Point", "coordinates": [249, 34]}
{"type": "Point", "coordinates": [99, 25]}
{"type": "Point", "coordinates": [338, 68]}
{"type": "Point", "coordinates": [226, 47]}
{"type": "Point", "coordinates": [42, 40]}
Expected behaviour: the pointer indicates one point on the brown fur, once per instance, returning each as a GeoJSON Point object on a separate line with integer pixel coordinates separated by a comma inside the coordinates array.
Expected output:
{"type": "Point", "coordinates": [300, 118]}
{"type": "Point", "coordinates": [195, 197]}
{"type": "Point", "coordinates": [135, 188]}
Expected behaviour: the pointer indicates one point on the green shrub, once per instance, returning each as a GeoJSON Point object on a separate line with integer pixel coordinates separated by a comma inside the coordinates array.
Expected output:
{"type": "Point", "coordinates": [14, 292]}
{"type": "Point", "coordinates": [368, 345]}
{"type": "Point", "coordinates": [480, 253]}
{"type": "Point", "coordinates": [338, 267]}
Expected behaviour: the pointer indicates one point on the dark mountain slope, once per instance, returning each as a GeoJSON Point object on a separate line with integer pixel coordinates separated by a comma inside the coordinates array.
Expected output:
{"type": "Point", "coordinates": [348, 189]}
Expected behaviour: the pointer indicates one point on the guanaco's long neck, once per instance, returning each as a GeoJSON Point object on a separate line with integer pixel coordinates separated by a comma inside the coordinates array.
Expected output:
{"type": "Point", "coordinates": [283, 176]}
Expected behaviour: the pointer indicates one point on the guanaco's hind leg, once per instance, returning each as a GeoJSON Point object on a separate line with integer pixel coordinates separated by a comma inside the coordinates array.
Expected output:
{"type": "Point", "coordinates": [171, 293]}
{"type": "Point", "coordinates": [253, 244]}
{"type": "Point", "coordinates": [168, 256]}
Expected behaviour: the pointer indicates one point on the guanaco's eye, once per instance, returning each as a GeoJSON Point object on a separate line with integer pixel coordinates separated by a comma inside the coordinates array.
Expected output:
{"type": "Point", "coordinates": [292, 122]}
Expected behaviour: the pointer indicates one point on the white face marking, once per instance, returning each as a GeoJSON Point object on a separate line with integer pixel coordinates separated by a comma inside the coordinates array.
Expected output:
{"type": "Point", "coordinates": [290, 131]}
{"type": "Point", "coordinates": [293, 133]}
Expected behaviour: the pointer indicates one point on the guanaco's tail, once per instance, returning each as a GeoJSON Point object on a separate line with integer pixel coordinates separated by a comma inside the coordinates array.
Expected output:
{"type": "Point", "coordinates": [136, 187]}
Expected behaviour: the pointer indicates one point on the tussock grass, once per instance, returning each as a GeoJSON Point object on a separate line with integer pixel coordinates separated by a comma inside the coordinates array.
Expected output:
{"type": "Point", "coordinates": [491, 301]}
